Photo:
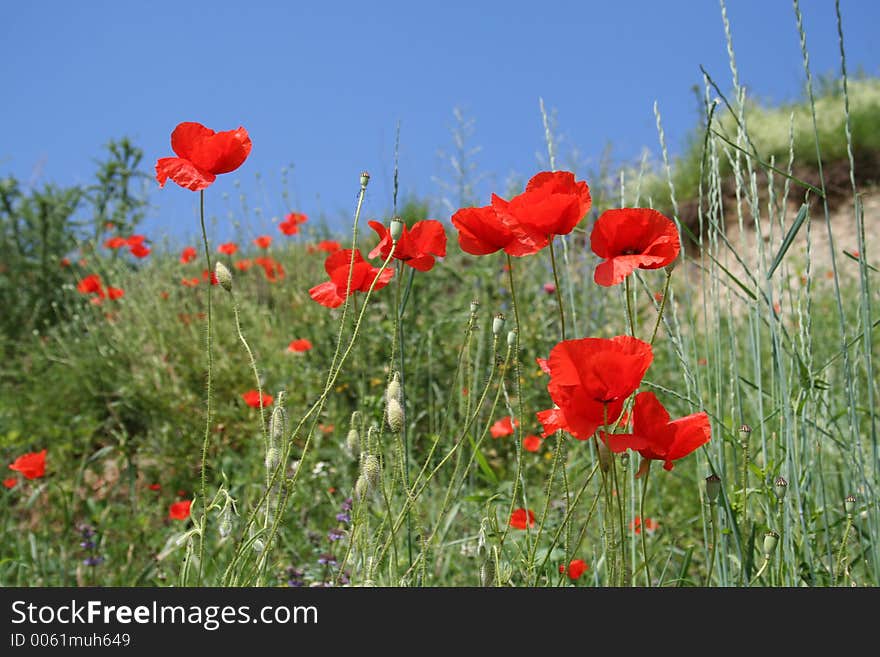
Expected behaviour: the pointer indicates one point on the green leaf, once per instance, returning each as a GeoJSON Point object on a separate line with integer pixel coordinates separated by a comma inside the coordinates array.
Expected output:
{"type": "Point", "coordinates": [802, 215]}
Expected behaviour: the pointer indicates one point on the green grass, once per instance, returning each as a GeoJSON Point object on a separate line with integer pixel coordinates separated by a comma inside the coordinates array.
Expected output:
{"type": "Point", "coordinates": [116, 394]}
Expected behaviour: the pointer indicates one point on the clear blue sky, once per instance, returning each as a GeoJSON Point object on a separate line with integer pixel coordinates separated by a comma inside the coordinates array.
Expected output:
{"type": "Point", "coordinates": [321, 85]}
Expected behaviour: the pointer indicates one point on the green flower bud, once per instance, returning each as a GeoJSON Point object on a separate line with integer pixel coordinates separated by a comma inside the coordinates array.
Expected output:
{"type": "Point", "coordinates": [393, 389]}
{"type": "Point", "coordinates": [371, 470]}
{"type": "Point", "coordinates": [604, 457]}
{"type": "Point", "coordinates": [394, 415]}
{"type": "Point", "coordinates": [353, 442]}
{"type": "Point", "coordinates": [224, 276]}
{"type": "Point", "coordinates": [361, 487]}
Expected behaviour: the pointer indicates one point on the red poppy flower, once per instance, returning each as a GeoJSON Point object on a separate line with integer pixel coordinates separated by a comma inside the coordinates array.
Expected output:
{"type": "Point", "coordinates": [520, 517]}
{"type": "Point", "coordinates": [290, 225]}
{"type": "Point", "coordinates": [252, 399]}
{"type": "Point", "coordinates": [263, 241]}
{"type": "Point", "coordinates": [207, 274]}
{"type": "Point", "coordinates": [115, 293]}
{"type": "Point", "coordinates": [139, 251]}
{"type": "Point", "coordinates": [503, 427]}
{"type": "Point", "coordinates": [328, 246]}
{"type": "Point", "coordinates": [416, 246]}
{"type": "Point", "coordinates": [655, 437]}
{"type": "Point", "coordinates": [544, 364]}
{"type": "Point", "coordinates": [155, 487]}
{"type": "Point", "coordinates": [115, 242]}
{"type": "Point", "coordinates": [590, 379]}
{"type": "Point", "coordinates": [331, 293]}
{"type": "Point", "coordinates": [299, 345]}
{"type": "Point", "coordinates": [91, 284]}
{"type": "Point", "coordinates": [202, 155]}
{"type": "Point", "coordinates": [163, 294]}
{"type": "Point", "coordinates": [64, 262]}
{"type": "Point", "coordinates": [576, 568]}
{"type": "Point", "coordinates": [271, 267]}
{"type": "Point", "coordinates": [482, 231]}
{"type": "Point", "coordinates": [651, 525]}
{"type": "Point", "coordinates": [632, 238]}
{"type": "Point", "coordinates": [243, 264]}
{"type": "Point", "coordinates": [227, 249]}
{"type": "Point", "coordinates": [179, 510]}
{"type": "Point", "coordinates": [10, 482]}
{"type": "Point", "coordinates": [189, 282]}
{"type": "Point", "coordinates": [188, 255]}
{"type": "Point", "coordinates": [549, 288]}
{"type": "Point", "coordinates": [532, 443]}
{"type": "Point", "coordinates": [31, 465]}
{"type": "Point", "coordinates": [552, 204]}
{"type": "Point", "coordinates": [134, 240]}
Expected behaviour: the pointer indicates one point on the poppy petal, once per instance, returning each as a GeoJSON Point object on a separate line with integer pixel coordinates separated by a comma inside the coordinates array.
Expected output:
{"type": "Point", "coordinates": [183, 172]}
{"type": "Point", "coordinates": [326, 294]}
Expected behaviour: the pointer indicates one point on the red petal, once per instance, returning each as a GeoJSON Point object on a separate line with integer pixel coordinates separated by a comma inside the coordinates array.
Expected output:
{"type": "Point", "coordinates": [480, 231]}
{"type": "Point", "coordinates": [428, 236]}
{"type": "Point", "coordinates": [211, 152]}
{"type": "Point", "coordinates": [183, 172]}
{"type": "Point", "coordinates": [326, 294]}
{"type": "Point", "coordinates": [383, 248]}
{"type": "Point", "coordinates": [691, 432]}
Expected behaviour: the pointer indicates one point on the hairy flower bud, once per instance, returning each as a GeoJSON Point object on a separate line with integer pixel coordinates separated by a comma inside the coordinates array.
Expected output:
{"type": "Point", "coordinates": [604, 457]}
{"type": "Point", "coordinates": [353, 442]}
{"type": "Point", "coordinates": [394, 415]}
{"type": "Point", "coordinates": [371, 470]}
{"type": "Point", "coordinates": [487, 573]}
{"type": "Point", "coordinates": [224, 276]}
{"type": "Point", "coordinates": [361, 487]}
{"type": "Point", "coordinates": [393, 389]}
{"type": "Point", "coordinates": [273, 458]}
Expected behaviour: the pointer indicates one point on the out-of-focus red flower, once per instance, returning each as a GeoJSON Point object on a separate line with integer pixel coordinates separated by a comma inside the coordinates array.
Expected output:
{"type": "Point", "coordinates": [114, 293]}
{"type": "Point", "coordinates": [243, 265]}
{"type": "Point", "coordinates": [163, 294]}
{"type": "Point", "coordinates": [263, 241]}
{"type": "Point", "coordinates": [252, 399]}
{"type": "Point", "coordinates": [64, 262]}
{"type": "Point", "coordinates": [328, 246]}
{"type": "Point", "coordinates": [227, 249]}
{"type": "Point", "coordinates": [91, 284]}
{"type": "Point", "coordinates": [416, 246]}
{"type": "Point", "coordinates": [650, 525]}
{"type": "Point", "coordinates": [544, 364]}
{"type": "Point", "coordinates": [291, 223]}
{"type": "Point", "coordinates": [576, 568]}
{"type": "Point", "coordinates": [31, 465]}
{"type": "Point", "coordinates": [115, 242]}
{"type": "Point", "coordinates": [532, 443]}
{"type": "Point", "coordinates": [139, 251]}
{"type": "Point", "coordinates": [155, 487]}
{"type": "Point", "coordinates": [188, 255]}
{"type": "Point", "coordinates": [521, 517]}
{"type": "Point", "coordinates": [503, 427]}
{"type": "Point", "coordinates": [271, 267]}
{"type": "Point", "coordinates": [202, 155]}
{"type": "Point", "coordinates": [337, 265]}
{"type": "Point", "coordinates": [134, 240]}
{"type": "Point", "coordinates": [655, 437]}
{"type": "Point", "coordinates": [179, 510]}
{"type": "Point", "coordinates": [632, 238]}
{"type": "Point", "coordinates": [590, 379]}
{"type": "Point", "coordinates": [209, 275]}
{"type": "Point", "coordinates": [189, 282]}
{"type": "Point", "coordinates": [299, 345]}
{"type": "Point", "coordinates": [549, 288]}
{"type": "Point", "coordinates": [10, 482]}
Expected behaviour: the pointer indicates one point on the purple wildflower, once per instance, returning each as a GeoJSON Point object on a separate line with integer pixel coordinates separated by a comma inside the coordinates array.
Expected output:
{"type": "Point", "coordinates": [345, 517]}
{"type": "Point", "coordinates": [327, 560]}
{"type": "Point", "coordinates": [335, 534]}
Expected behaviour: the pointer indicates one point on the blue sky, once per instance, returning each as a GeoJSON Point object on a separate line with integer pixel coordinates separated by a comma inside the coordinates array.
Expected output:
{"type": "Point", "coordinates": [321, 86]}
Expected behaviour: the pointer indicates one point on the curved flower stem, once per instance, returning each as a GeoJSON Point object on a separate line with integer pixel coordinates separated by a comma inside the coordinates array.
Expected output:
{"type": "Point", "coordinates": [558, 293]}
{"type": "Point", "coordinates": [644, 524]}
{"type": "Point", "coordinates": [761, 570]}
{"type": "Point", "coordinates": [209, 352]}
{"type": "Point", "coordinates": [662, 307]}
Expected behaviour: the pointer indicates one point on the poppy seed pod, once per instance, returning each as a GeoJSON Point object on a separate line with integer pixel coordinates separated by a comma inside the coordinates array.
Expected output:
{"type": "Point", "coordinates": [604, 457]}
{"type": "Point", "coordinates": [745, 428]}
{"type": "Point", "coordinates": [771, 539]}
{"type": "Point", "coordinates": [396, 228]}
{"type": "Point", "coordinates": [780, 487]}
{"type": "Point", "coordinates": [713, 487]}
{"type": "Point", "coordinates": [365, 179]}
{"type": "Point", "coordinates": [850, 504]}
{"type": "Point", "coordinates": [394, 415]}
{"type": "Point", "coordinates": [498, 324]}
{"type": "Point", "coordinates": [224, 276]}
{"type": "Point", "coordinates": [475, 306]}
{"type": "Point", "coordinates": [511, 338]}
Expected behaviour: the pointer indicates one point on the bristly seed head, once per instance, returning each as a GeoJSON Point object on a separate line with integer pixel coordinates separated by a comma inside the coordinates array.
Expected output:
{"type": "Point", "coordinates": [498, 324]}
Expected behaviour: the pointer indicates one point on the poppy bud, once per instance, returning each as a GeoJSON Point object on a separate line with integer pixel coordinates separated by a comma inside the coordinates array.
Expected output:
{"type": "Point", "coordinates": [498, 324]}
{"type": "Point", "coordinates": [394, 415]}
{"type": "Point", "coordinates": [780, 487]}
{"type": "Point", "coordinates": [487, 573]}
{"type": "Point", "coordinates": [225, 527]}
{"type": "Point", "coordinates": [396, 228]}
{"type": "Point", "coordinates": [393, 389]}
{"type": "Point", "coordinates": [371, 470]}
{"type": "Point", "coordinates": [278, 421]}
{"type": "Point", "coordinates": [771, 539]}
{"type": "Point", "coordinates": [353, 442]}
{"type": "Point", "coordinates": [361, 487]}
{"type": "Point", "coordinates": [273, 458]}
{"type": "Point", "coordinates": [604, 457]}
{"type": "Point", "coordinates": [850, 504]}
{"type": "Point", "coordinates": [224, 276]}
{"type": "Point", "coordinates": [713, 487]}
{"type": "Point", "coordinates": [365, 179]}
{"type": "Point", "coordinates": [511, 338]}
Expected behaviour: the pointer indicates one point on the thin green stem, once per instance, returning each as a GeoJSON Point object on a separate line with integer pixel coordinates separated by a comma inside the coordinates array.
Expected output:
{"type": "Point", "coordinates": [712, 547]}
{"type": "Point", "coordinates": [662, 306]}
{"type": "Point", "coordinates": [209, 352]}
{"type": "Point", "coordinates": [840, 555]}
{"type": "Point", "coordinates": [643, 527]}
{"type": "Point", "coordinates": [558, 292]}
{"type": "Point", "coordinates": [629, 307]}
